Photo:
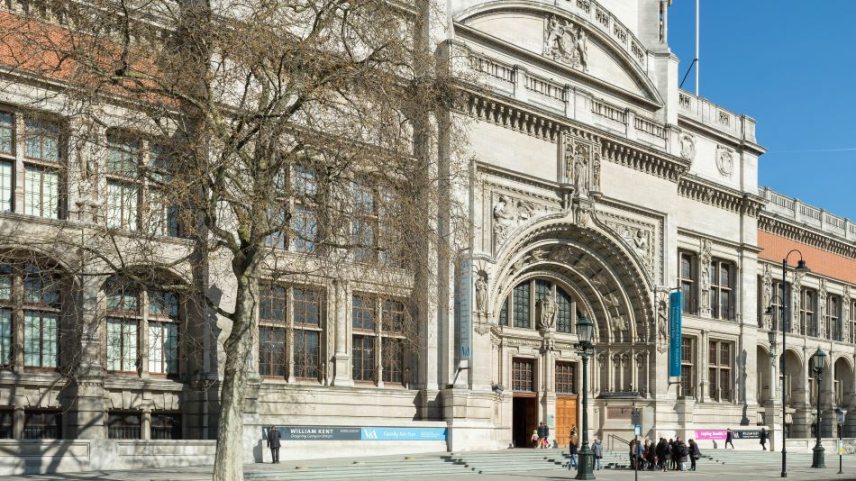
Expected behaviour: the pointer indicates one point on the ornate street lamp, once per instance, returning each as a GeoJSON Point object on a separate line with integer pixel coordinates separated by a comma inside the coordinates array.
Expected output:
{"type": "Point", "coordinates": [817, 460]}
{"type": "Point", "coordinates": [585, 331]}
{"type": "Point", "coordinates": [842, 415]}
{"type": "Point", "coordinates": [801, 267]}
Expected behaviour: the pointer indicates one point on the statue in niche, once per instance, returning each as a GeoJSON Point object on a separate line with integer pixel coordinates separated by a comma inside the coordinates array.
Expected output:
{"type": "Point", "coordinates": [566, 44]}
{"type": "Point", "coordinates": [549, 309]}
{"type": "Point", "coordinates": [640, 243]}
{"type": "Point", "coordinates": [481, 292]}
{"type": "Point", "coordinates": [662, 326]}
{"type": "Point", "coordinates": [580, 173]}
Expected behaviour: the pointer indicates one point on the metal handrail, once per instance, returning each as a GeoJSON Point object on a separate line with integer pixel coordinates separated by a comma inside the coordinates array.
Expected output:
{"type": "Point", "coordinates": [611, 441]}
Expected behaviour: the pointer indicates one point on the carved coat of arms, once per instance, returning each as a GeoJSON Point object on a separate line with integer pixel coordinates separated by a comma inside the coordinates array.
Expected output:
{"type": "Point", "coordinates": [566, 43]}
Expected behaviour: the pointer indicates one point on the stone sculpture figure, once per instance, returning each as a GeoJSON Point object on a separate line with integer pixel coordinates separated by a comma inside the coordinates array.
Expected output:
{"type": "Point", "coordinates": [663, 326]}
{"type": "Point", "coordinates": [549, 311]}
{"type": "Point", "coordinates": [564, 43]}
{"type": "Point", "coordinates": [705, 260]}
{"type": "Point", "coordinates": [481, 292]}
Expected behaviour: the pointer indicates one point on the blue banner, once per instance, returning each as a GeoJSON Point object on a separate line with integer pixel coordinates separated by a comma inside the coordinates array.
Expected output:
{"type": "Point", "coordinates": [463, 307]}
{"type": "Point", "coordinates": [675, 319]}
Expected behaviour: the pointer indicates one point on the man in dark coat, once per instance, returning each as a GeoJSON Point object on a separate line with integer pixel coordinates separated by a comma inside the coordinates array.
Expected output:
{"type": "Point", "coordinates": [695, 453]}
{"type": "Point", "coordinates": [729, 438]}
{"type": "Point", "coordinates": [273, 438]}
{"type": "Point", "coordinates": [763, 437]}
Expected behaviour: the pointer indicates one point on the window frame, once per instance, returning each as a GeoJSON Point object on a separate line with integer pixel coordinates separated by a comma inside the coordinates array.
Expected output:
{"type": "Point", "coordinates": [719, 289]}
{"type": "Point", "coordinates": [689, 283]}
{"type": "Point", "coordinates": [808, 316]}
{"type": "Point", "coordinates": [18, 308]}
{"type": "Point", "coordinates": [531, 289]}
{"type": "Point", "coordinates": [283, 317]}
{"type": "Point", "coordinates": [687, 386]}
{"type": "Point", "coordinates": [565, 378]}
{"type": "Point", "coordinates": [716, 369]}
{"type": "Point", "coordinates": [524, 380]}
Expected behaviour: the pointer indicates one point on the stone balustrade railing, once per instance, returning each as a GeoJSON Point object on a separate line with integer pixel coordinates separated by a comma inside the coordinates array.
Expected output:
{"type": "Point", "coordinates": [793, 209]}
{"type": "Point", "coordinates": [712, 115]}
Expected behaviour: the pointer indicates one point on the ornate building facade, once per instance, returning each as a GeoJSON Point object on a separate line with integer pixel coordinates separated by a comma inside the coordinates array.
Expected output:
{"type": "Point", "coordinates": [596, 186]}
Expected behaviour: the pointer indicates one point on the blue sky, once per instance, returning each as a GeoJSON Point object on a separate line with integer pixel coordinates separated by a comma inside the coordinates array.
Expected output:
{"type": "Point", "coordinates": [789, 64]}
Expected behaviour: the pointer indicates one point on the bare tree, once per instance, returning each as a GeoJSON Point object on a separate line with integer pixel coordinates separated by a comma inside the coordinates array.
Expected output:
{"type": "Point", "coordinates": [280, 126]}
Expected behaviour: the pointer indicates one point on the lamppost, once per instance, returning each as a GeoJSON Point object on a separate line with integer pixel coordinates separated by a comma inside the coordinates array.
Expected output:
{"type": "Point", "coordinates": [842, 414]}
{"type": "Point", "coordinates": [801, 267]}
{"type": "Point", "coordinates": [585, 331]}
{"type": "Point", "coordinates": [817, 459]}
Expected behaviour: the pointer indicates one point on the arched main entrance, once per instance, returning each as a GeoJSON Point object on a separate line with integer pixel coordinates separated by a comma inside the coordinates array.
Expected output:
{"type": "Point", "coordinates": [548, 277]}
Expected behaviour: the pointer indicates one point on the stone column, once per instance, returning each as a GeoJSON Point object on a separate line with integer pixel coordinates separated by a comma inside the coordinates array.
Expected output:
{"type": "Point", "coordinates": [146, 427]}
{"type": "Point", "coordinates": [18, 419]}
{"type": "Point", "coordinates": [342, 375]}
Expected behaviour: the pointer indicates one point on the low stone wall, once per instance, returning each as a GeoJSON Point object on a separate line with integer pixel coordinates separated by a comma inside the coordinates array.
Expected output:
{"type": "Point", "coordinates": [66, 456]}
{"type": "Point", "coordinates": [805, 445]}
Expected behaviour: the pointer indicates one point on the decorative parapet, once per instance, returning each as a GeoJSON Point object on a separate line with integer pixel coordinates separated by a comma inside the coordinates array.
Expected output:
{"type": "Point", "coordinates": [608, 24]}
{"type": "Point", "coordinates": [792, 209]}
{"type": "Point", "coordinates": [711, 115]}
{"type": "Point", "coordinates": [701, 190]}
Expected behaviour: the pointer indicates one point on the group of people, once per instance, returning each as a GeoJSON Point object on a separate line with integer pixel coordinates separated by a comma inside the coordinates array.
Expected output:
{"type": "Point", "coordinates": [541, 436]}
{"type": "Point", "coordinates": [664, 455]}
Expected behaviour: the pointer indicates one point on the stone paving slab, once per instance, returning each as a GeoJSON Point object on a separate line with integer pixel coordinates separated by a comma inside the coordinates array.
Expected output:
{"type": "Point", "coordinates": [764, 469]}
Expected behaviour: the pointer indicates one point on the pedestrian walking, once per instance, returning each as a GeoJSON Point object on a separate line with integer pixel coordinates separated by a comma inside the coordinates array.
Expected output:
{"type": "Point", "coordinates": [667, 455]}
{"type": "Point", "coordinates": [694, 454]}
{"type": "Point", "coordinates": [572, 449]}
{"type": "Point", "coordinates": [536, 438]}
{"type": "Point", "coordinates": [729, 438]}
{"type": "Point", "coordinates": [545, 443]}
{"type": "Point", "coordinates": [540, 432]}
{"type": "Point", "coordinates": [632, 446]}
{"type": "Point", "coordinates": [763, 437]}
{"type": "Point", "coordinates": [673, 458]}
{"type": "Point", "coordinates": [273, 443]}
{"type": "Point", "coordinates": [597, 451]}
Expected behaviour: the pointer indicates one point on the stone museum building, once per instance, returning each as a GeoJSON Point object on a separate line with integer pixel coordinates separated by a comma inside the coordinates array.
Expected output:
{"type": "Point", "coordinates": [596, 187]}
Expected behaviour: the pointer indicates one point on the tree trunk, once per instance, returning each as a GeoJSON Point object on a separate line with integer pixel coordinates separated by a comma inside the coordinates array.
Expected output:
{"type": "Point", "coordinates": [228, 463]}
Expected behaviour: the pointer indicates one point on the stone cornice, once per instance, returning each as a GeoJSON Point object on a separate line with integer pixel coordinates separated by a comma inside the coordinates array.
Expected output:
{"type": "Point", "coordinates": [805, 235]}
{"type": "Point", "coordinates": [523, 118]}
{"type": "Point", "coordinates": [698, 189]}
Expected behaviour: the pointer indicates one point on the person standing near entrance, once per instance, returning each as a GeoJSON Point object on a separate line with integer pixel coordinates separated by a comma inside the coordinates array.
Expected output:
{"type": "Point", "coordinates": [729, 438]}
{"type": "Point", "coordinates": [763, 437]}
{"type": "Point", "coordinates": [597, 452]}
{"type": "Point", "coordinates": [273, 438]}
{"type": "Point", "coordinates": [694, 454]}
{"type": "Point", "coordinates": [545, 443]}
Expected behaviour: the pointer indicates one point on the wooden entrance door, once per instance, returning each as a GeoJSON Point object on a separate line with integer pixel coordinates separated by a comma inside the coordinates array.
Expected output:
{"type": "Point", "coordinates": [566, 418]}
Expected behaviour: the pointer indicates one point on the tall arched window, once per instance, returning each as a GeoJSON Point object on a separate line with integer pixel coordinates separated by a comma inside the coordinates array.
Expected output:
{"type": "Point", "coordinates": [520, 307]}
{"type": "Point", "coordinates": [142, 322]}
{"type": "Point", "coordinates": [30, 297]}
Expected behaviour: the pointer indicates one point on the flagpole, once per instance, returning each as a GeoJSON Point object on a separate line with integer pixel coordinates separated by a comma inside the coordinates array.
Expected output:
{"type": "Point", "coordinates": [697, 62]}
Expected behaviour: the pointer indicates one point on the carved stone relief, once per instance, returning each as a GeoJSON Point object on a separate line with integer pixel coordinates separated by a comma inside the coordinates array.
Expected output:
{"type": "Point", "coordinates": [796, 299]}
{"type": "Point", "coordinates": [481, 292]}
{"type": "Point", "coordinates": [548, 309]}
{"type": "Point", "coordinates": [509, 213]}
{"type": "Point", "coordinates": [687, 147]}
{"type": "Point", "coordinates": [640, 237]}
{"type": "Point", "coordinates": [822, 294]}
{"type": "Point", "coordinates": [566, 43]}
{"type": "Point", "coordinates": [725, 160]}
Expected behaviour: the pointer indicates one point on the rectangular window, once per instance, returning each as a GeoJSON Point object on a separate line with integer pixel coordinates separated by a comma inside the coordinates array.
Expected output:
{"type": "Point", "coordinates": [40, 339]}
{"type": "Point", "coordinates": [363, 312]}
{"type": "Point", "coordinates": [42, 424]}
{"type": "Point", "coordinates": [122, 198]}
{"type": "Point", "coordinates": [522, 375]}
{"type": "Point", "coordinates": [853, 322]}
{"type": "Point", "coordinates": [687, 368]}
{"type": "Point", "coordinates": [688, 280]}
{"type": "Point", "coordinates": [721, 289]}
{"type": "Point", "coordinates": [832, 318]}
{"type": "Point", "coordinates": [6, 431]}
{"type": "Point", "coordinates": [122, 344]}
{"type": "Point", "coordinates": [364, 359]}
{"type": "Point", "coordinates": [7, 186]}
{"type": "Point", "coordinates": [566, 377]}
{"type": "Point", "coordinates": [272, 305]}
{"type": "Point", "coordinates": [7, 133]}
{"type": "Point", "coordinates": [305, 229]}
{"type": "Point", "coordinates": [166, 425]}
{"type": "Point", "coordinates": [393, 360]}
{"type": "Point", "coordinates": [394, 317]}
{"type": "Point", "coordinates": [124, 425]}
{"type": "Point", "coordinates": [808, 307]}
{"type": "Point", "coordinates": [720, 369]}
{"type": "Point", "coordinates": [307, 307]}
{"type": "Point", "coordinates": [122, 299]}
{"type": "Point", "coordinates": [306, 353]}
{"type": "Point", "coordinates": [521, 305]}
{"type": "Point", "coordinates": [42, 140]}
{"type": "Point", "coordinates": [5, 336]}
{"type": "Point", "coordinates": [41, 192]}
{"type": "Point", "coordinates": [163, 347]}
{"type": "Point", "coordinates": [272, 351]}
{"type": "Point", "coordinates": [364, 223]}
{"type": "Point", "coordinates": [123, 157]}
{"type": "Point", "coordinates": [565, 318]}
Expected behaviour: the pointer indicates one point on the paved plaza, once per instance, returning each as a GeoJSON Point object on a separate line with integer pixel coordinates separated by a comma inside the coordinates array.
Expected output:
{"type": "Point", "coordinates": [736, 466]}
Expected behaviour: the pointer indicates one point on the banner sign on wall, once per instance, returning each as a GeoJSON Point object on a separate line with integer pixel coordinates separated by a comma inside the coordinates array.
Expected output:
{"type": "Point", "coordinates": [463, 307]}
{"type": "Point", "coordinates": [675, 319]}
{"type": "Point", "coordinates": [357, 433]}
{"type": "Point", "coordinates": [719, 434]}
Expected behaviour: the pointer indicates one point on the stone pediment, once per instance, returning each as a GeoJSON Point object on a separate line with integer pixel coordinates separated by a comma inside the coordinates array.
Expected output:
{"type": "Point", "coordinates": [589, 42]}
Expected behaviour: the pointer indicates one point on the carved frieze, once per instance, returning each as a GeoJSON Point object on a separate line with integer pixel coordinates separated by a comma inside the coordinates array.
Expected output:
{"type": "Point", "coordinates": [845, 315]}
{"type": "Point", "coordinates": [640, 237]}
{"type": "Point", "coordinates": [566, 43]}
{"type": "Point", "coordinates": [822, 294]}
{"type": "Point", "coordinates": [705, 259]}
{"type": "Point", "coordinates": [796, 299]}
{"type": "Point", "coordinates": [509, 213]}
{"type": "Point", "coordinates": [766, 298]}
{"type": "Point", "coordinates": [725, 160]}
